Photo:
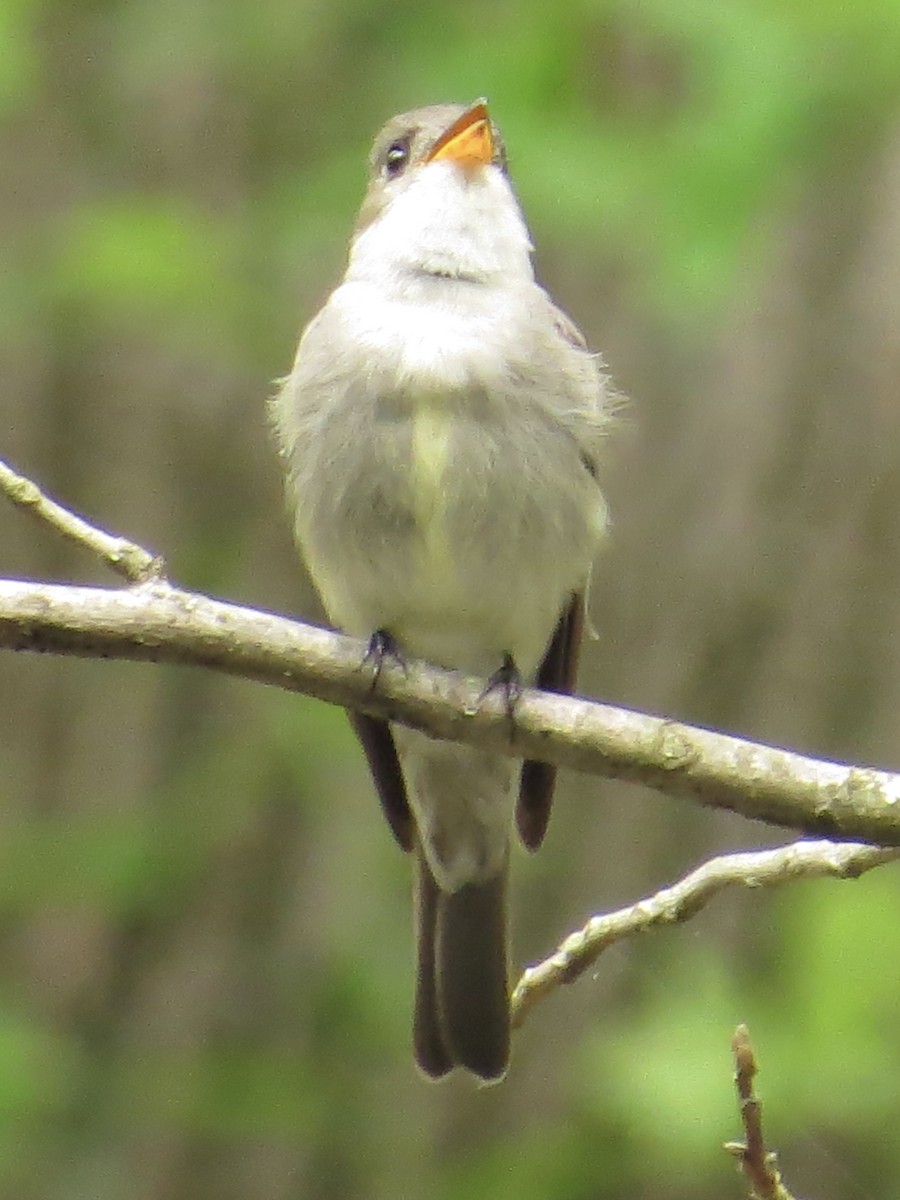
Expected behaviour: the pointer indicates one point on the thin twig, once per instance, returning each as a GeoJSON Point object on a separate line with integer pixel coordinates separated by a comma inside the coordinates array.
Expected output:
{"type": "Point", "coordinates": [765, 868]}
{"type": "Point", "coordinates": [124, 557]}
{"type": "Point", "coordinates": [758, 1165]}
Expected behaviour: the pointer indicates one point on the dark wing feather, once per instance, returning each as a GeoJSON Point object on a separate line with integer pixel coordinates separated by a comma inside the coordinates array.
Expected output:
{"type": "Point", "coordinates": [556, 673]}
{"type": "Point", "coordinates": [381, 754]}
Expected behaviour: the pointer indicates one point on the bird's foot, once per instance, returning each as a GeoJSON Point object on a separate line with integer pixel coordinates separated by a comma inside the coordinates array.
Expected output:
{"type": "Point", "coordinates": [505, 679]}
{"type": "Point", "coordinates": [382, 646]}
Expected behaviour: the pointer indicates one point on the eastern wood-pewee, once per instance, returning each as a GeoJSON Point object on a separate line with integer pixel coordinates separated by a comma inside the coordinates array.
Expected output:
{"type": "Point", "coordinates": [440, 430]}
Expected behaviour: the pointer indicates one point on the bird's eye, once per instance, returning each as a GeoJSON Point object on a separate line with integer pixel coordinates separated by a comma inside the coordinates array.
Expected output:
{"type": "Point", "coordinates": [396, 159]}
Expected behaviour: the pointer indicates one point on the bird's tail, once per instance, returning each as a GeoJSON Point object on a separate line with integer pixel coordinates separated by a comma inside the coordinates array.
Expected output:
{"type": "Point", "coordinates": [462, 985]}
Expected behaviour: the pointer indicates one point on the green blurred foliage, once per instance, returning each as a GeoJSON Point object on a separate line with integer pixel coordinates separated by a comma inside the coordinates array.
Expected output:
{"type": "Point", "coordinates": [180, 183]}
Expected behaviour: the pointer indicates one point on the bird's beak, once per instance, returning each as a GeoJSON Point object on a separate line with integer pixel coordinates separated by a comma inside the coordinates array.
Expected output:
{"type": "Point", "coordinates": [468, 142]}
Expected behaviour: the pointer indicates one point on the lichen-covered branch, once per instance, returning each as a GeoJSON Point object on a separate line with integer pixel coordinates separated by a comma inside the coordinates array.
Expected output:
{"type": "Point", "coordinates": [158, 623]}
{"type": "Point", "coordinates": [154, 621]}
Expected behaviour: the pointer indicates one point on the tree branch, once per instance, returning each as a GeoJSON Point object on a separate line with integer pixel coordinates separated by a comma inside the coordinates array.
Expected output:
{"type": "Point", "coordinates": [156, 622]}
{"type": "Point", "coordinates": [753, 869]}
{"type": "Point", "coordinates": [159, 623]}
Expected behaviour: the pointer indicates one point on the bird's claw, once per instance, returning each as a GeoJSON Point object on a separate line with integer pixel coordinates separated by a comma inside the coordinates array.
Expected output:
{"type": "Point", "coordinates": [382, 646]}
{"type": "Point", "coordinates": [505, 679]}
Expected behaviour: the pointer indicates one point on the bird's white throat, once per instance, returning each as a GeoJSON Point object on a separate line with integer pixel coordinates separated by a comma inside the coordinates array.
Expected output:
{"type": "Point", "coordinates": [446, 222]}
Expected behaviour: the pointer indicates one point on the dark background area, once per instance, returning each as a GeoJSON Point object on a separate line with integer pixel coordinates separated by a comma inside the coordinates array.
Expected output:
{"type": "Point", "coordinates": [205, 952]}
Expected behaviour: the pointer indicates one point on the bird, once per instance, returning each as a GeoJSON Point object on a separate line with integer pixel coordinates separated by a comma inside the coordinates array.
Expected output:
{"type": "Point", "coordinates": [441, 433]}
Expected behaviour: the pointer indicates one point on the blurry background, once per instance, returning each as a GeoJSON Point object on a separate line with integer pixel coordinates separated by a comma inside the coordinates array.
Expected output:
{"type": "Point", "coordinates": [205, 953]}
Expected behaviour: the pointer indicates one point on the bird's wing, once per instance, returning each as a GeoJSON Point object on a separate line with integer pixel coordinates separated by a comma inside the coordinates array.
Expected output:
{"type": "Point", "coordinates": [381, 754]}
{"type": "Point", "coordinates": [556, 673]}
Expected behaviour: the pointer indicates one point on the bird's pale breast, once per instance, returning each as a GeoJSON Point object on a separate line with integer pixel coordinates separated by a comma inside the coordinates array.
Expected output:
{"type": "Point", "coordinates": [459, 512]}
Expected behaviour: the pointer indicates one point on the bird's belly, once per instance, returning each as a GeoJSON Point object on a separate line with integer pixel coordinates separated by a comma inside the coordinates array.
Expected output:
{"type": "Point", "coordinates": [461, 530]}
